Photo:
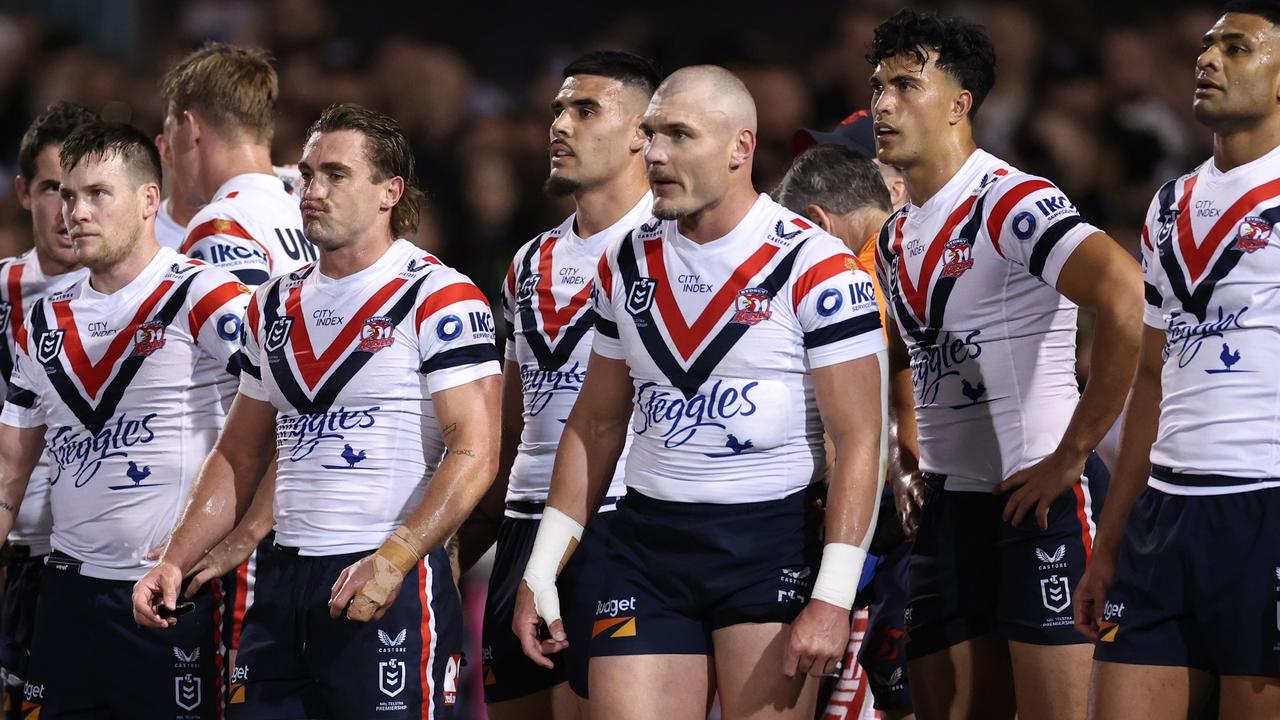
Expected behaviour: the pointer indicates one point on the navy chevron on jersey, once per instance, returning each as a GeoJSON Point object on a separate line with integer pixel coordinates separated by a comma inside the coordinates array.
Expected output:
{"type": "Point", "coordinates": [253, 228]}
{"type": "Point", "coordinates": [970, 278]}
{"type": "Point", "coordinates": [132, 389]}
{"type": "Point", "coordinates": [22, 284]}
{"type": "Point", "coordinates": [350, 365]}
{"type": "Point", "coordinates": [1212, 262]}
{"type": "Point", "coordinates": [725, 410]}
{"type": "Point", "coordinates": [546, 301]}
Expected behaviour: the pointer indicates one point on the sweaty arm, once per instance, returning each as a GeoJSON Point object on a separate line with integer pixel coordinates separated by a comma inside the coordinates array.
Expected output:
{"type": "Point", "coordinates": [480, 531]}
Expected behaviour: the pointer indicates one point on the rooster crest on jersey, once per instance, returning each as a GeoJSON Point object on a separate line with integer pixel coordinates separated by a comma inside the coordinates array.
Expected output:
{"type": "Point", "coordinates": [148, 338]}
{"type": "Point", "coordinates": [752, 306]}
{"type": "Point", "coordinates": [1253, 234]}
{"type": "Point", "coordinates": [378, 333]}
{"type": "Point", "coordinates": [959, 258]}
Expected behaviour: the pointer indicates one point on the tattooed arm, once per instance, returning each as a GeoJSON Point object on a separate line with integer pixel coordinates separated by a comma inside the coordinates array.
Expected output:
{"type": "Point", "coordinates": [20, 450]}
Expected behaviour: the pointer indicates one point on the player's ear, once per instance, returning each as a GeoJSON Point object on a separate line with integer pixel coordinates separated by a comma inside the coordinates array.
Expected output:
{"type": "Point", "coordinates": [961, 107]}
{"type": "Point", "coordinates": [819, 217]}
{"type": "Point", "coordinates": [24, 192]}
{"type": "Point", "coordinates": [638, 138]}
{"type": "Point", "coordinates": [392, 194]}
{"type": "Point", "coordinates": [150, 193]}
{"type": "Point", "coordinates": [744, 147]}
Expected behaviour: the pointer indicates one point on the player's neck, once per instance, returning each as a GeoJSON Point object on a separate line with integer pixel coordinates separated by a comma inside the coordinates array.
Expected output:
{"type": "Point", "coordinates": [50, 267]}
{"type": "Point", "coordinates": [602, 206]}
{"type": "Point", "coordinates": [871, 222]}
{"type": "Point", "coordinates": [107, 279]}
{"type": "Point", "coordinates": [359, 255]}
{"type": "Point", "coordinates": [1241, 147]}
{"type": "Point", "coordinates": [936, 168]}
{"type": "Point", "coordinates": [230, 161]}
{"type": "Point", "coordinates": [181, 213]}
{"type": "Point", "coordinates": [719, 219]}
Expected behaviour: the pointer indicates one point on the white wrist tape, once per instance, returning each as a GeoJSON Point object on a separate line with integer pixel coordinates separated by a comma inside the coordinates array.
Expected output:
{"type": "Point", "coordinates": [838, 576]}
{"type": "Point", "coordinates": [558, 535]}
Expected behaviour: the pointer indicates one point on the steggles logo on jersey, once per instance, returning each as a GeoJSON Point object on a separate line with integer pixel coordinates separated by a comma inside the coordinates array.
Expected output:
{"type": "Point", "coordinates": [148, 338]}
{"type": "Point", "coordinates": [1186, 339]}
{"type": "Point", "coordinates": [640, 295]}
{"type": "Point", "coordinates": [1253, 234]}
{"type": "Point", "coordinates": [83, 454]}
{"type": "Point", "coordinates": [958, 257]}
{"type": "Point", "coordinates": [931, 364]}
{"type": "Point", "coordinates": [752, 306]}
{"type": "Point", "coordinates": [685, 417]}
{"type": "Point", "coordinates": [377, 333]}
{"type": "Point", "coordinates": [48, 345]}
{"type": "Point", "coordinates": [539, 385]}
{"type": "Point", "coordinates": [277, 334]}
{"type": "Point", "coordinates": [302, 434]}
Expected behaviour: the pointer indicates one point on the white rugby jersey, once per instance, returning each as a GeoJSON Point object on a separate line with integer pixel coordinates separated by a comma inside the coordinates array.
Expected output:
{"type": "Point", "coordinates": [169, 232]}
{"type": "Point", "coordinates": [253, 228]}
{"type": "Point", "coordinates": [970, 279]}
{"type": "Point", "coordinates": [22, 283]}
{"type": "Point", "coordinates": [720, 339]}
{"type": "Point", "coordinates": [1212, 267]}
{"type": "Point", "coordinates": [350, 365]}
{"type": "Point", "coordinates": [546, 301]}
{"type": "Point", "coordinates": [132, 389]}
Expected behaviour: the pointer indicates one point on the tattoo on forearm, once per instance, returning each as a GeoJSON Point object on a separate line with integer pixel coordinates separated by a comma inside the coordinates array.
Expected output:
{"type": "Point", "coordinates": [468, 453]}
{"type": "Point", "coordinates": [448, 429]}
{"type": "Point", "coordinates": [5, 506]}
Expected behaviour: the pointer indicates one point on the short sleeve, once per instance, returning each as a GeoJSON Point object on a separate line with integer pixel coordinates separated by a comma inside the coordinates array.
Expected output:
{"type": "Point", "coordinates": [225, 243]}
{"type": "Point", "coordinates": [835, 303]}
{"type": "Point", "coordinates": [1033, 224]}
{"type": "Point", "coordinates": [509, 313]}
{"type": "Point", "coordinates": [455, 329]}
{"type": "Point", "coordinates": [607, 341]}
{"type": "Point", "coordinates": [23, 407]}
{"type": "Point", "coordinates": [215, 316]}
{"type": "Point", "coordinates": [251, 350]}
{"type": "Point", "coordinates": [1153, 300]}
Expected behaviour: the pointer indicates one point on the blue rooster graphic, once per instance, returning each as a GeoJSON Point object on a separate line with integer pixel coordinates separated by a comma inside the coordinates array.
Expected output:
{"type": "Point", "coordinates": [136, 475]}
{"type": "Point", "coordinates": [736, 447]}
{"type": "Point", "coordinates": [971, 391]}
{"type": "Point", "coordinates": [1229, 359]}
{"type": "Point", "coordinates": [350, 455]}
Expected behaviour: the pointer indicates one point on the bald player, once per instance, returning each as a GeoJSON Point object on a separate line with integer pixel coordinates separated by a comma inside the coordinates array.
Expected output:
{"type": "Point", "coordinates": [742, 331]}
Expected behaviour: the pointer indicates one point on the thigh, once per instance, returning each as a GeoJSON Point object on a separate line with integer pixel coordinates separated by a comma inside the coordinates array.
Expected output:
{"type": "Point", "coordinates": [748, 668]}
{"type": "Point", "coordinates": [1051, 682]}
{"type": "Point", "coordinates": [1122, 691]}
{"type": "Point", "coordinates": [643, 687]}
{"type": "Point", "coordinates": [404, 665]}
{"type": "Point", "coordinates": [971, 679]}
{"type": "Point", "coordinates": [953, 571]}
{"type": "Point", "coordinates": [508, 674]}
{"type": "Point", "coordinates": [1244, 697]}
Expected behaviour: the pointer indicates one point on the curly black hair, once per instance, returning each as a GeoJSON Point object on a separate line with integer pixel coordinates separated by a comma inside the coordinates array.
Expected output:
{"type": "Point", "coordinates": [1267, 9]}
{"type": "Point", "coordinates": [963, 49]}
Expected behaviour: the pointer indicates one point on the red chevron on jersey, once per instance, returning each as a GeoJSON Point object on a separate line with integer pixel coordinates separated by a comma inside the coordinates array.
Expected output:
{"type": "Point", "coordinates": [313, 368]}
{"type": "Point", "coordinates": [918, 297]}
{"type": "Point", "coordinates": [1196, 256]}
{"type": "Point", "coordinates": [220, 226]}
{"type": "Point", "coordinates": [1007, 202]}
{"type": "Point", "coordinates": [16, 315]}
{"type": "Point", "coordinates": [686, 337]}
{"type": "Point", "coordinates": [553, 319]}
{"type": "Point", "coordinates": [94, 375]}
{"type": "Point", "coordinates": [446, 296]}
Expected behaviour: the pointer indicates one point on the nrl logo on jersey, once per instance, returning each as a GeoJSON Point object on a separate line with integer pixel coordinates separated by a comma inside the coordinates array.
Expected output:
{"type": "Point", "coordinates": [278, 334]}
{"type": "Point", "coordinates": [524, 293]}
{"type": "Point", "coordinates": [148, 338]}
{"type": "Point", "coordinates": [640, 298]}
{"type": "Point", "coordinates": [48, 345]}
{"type": "Point", "coordinates": [1168, 218]}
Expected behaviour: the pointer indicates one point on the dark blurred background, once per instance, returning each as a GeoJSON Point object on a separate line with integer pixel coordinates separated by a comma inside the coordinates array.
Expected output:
{"type": "Point", "coordinates": [1094, 95]}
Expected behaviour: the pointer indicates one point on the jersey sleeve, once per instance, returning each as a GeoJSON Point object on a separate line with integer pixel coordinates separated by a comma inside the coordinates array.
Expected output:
{"type": "Point", "coordinates": [607, 341]}
{"type": "Point", "coordinates": [22, 406]}
{"type": "Point", "coordinates": [1033, 224]}
{"type": "Point", "coordinates": [509, 312]}
{"type": "Point", "coordinates": [251, 349]}
{"type": "Point", "coordinates": [1153, 301]}
{"type": "Point", "coordinates": [224, 242]}
{"type": "Point", "coordinates": [455, 332]}
{"type": "Point", "coordinates": [834, 300]}
{"type": "Point", "coordinates": [216, 308]}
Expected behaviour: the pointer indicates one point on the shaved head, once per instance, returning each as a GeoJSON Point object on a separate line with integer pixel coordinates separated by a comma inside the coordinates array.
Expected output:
{"type": "Point", "coordinates": [701, 126]}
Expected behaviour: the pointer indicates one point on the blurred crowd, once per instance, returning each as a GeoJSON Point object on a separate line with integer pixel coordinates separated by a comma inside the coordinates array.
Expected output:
{"type": "Point", "coordinates": [1095, 97]}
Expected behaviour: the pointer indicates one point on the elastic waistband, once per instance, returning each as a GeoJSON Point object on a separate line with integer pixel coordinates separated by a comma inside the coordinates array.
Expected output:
{"type": "Point", "coordinates": [532, 509]}
{"type": "Point", "coordinates": [636, 500]}
{"type": "Point", "coordinates": [62, 562]}
{"type": "Point", "coordinates": [1166, 474]}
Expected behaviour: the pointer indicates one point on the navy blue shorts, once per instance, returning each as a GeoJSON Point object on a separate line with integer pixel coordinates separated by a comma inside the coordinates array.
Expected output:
{"type": "Point", "coordinates": [238, 587]}
{"type": "Point", "coordinates": [296, 662]}
{"type": "Point", "coordinates": [883, 655]}
{"type": "Point", "coordinates": [508, 674]}
{"type": "Point", "coordinates": [90, 660]}
{"type": "Point", "coordinates": [972, 573]}
{"type": "Point", "coordinates": [677, 571]}
{"type": "Point", "coordinates": [1197, 584]}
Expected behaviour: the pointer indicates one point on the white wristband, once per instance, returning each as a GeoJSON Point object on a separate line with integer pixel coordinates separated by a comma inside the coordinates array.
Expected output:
{"type": "Point", "coordinates": [557, 532]}
{"type": "Point", "coordinates": [838, 576]}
